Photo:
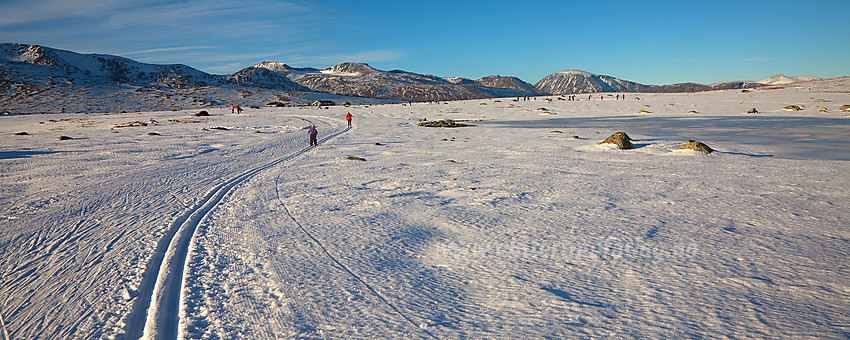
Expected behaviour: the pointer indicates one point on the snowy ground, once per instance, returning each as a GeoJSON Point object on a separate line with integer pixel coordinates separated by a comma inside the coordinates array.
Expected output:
{"type": "Point", "coordinates": [501, 230]}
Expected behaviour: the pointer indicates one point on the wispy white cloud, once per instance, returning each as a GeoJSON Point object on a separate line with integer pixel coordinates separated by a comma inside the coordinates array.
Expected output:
{"type": "Point", "coordinates": [371, 56]}
{"type": "Point", "coordinates": [151, 24]}
{"type": "Point", "coordinates": [168, 49]}
{"type": "Point", "coordinates": [224, 64]}
{"type": "Point", "coordinates": [224, 69]}
{"type": "Point", "coordinates": [16, 12]}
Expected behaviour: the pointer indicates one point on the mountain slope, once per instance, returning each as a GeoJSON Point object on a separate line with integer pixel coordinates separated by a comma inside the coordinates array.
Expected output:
{"type": "Point", "coordinates": [781, 79]}
{"type": "Point", "coordinates": [577, 81]}
{"type": "Point", "coordinates": [37, 79]}
{"type": "Point", "coordinates": [35, 63]}
{"type": "Point", "coordinates": [506, 83]}
{"type": "Point", "coordinates": [264, 78]}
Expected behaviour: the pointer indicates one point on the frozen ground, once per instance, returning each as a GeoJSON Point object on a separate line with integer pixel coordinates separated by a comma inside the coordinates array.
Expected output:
{"type": "Point", "coordinates": [502, 230]}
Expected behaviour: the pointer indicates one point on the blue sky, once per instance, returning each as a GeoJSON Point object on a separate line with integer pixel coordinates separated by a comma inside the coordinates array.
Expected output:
{"type": "Point", "coordinates": [651, 42]}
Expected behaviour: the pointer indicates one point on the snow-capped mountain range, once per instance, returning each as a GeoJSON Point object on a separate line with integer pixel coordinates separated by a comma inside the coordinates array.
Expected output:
{"type": "Point", "coordinates": [33, 75]}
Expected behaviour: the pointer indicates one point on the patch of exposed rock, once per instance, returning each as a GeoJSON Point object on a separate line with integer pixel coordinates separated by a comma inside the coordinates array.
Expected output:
{"type": "Point", "coordinates": [620, 139]}
{"type": "Point", "coordinates": [696, 146]}
{"type": "Point", "coordinates": [443, 124]}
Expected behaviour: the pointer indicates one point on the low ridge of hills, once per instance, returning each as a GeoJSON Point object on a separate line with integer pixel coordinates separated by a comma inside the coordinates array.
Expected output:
{"type": "Point", "coordinates": [33, 74]}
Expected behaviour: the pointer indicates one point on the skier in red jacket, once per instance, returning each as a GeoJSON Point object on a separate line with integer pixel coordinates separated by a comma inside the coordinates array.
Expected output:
{"type": "Point", "coordinates": [348, 118]}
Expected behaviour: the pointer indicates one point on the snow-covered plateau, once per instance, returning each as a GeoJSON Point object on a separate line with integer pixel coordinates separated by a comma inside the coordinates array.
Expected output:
{"type": "Point", "coordinates": [164, 224]}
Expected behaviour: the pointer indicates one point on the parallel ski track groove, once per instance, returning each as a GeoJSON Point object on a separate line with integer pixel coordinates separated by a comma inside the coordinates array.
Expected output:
{"type": "Point", "coordinates": [157, 316]}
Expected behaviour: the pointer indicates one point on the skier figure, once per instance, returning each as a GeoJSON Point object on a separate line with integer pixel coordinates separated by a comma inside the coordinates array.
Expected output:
{"type": "Point", "coordinates": [313, 133]}
{"type": "Point", "coordinates": [348, 118]}
{"type": "Point", "coordinates": [232, 107]}
{"type": "Point", "coordinates": [238, 109]}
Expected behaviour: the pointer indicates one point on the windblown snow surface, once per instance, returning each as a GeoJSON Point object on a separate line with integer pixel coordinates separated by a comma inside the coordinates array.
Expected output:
{"type": "Point", "coordinates": [228, 226]}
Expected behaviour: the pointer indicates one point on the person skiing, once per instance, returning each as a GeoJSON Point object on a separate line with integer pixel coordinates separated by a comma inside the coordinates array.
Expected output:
{"type": "Point", "coordinates": [348, 118]}
{"type": "Point", "coordinates": [232, 107]}
{"type": "Point", "coordinates": [313, 134]}
{"type": "Point", "coordinates": [238, 109]}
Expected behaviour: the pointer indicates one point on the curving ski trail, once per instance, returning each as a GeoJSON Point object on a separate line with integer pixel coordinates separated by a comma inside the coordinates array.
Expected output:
{"type": "Point", "coordinates": [157, 312]}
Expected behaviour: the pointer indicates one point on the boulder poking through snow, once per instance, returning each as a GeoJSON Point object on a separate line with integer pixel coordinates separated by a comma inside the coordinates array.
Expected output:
{"type": "Point", "coordinates": [844, 108]}
{"type": "Point", "coordinates": [620, 139]}
{"type": "Point", "coordinates": [753, 110]}
{"type": "Point", "coordinates": [443, 123]}
{"type": "Point", "coordinates": [792, 108]}
{"type": "Point", "coordinates": [696, 146]}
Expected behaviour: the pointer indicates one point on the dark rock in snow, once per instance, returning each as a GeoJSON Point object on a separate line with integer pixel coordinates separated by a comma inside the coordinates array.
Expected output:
{"type": "Point", "coordinates": [355, 159]}
{"type": "Point", "coordinates": [64, 138]}
{"type": "Point", "coordinates": [753, 110]}
{"type": "Point", "coordinates": [696, 146]}
{"type": "Point", "coordinates": [22, 133]}
{"type": "Point", "coordinates": [443, 123]}
{"type": "Point", "coordinates": [202, 114]}
{"type": "Point", "coordinates": [620, 139]}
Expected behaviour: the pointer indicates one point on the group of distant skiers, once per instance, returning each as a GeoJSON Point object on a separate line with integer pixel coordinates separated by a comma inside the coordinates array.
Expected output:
{"type": "Point", "coordinates": [572, 97]}
{"type": "Point", "coordinates": [235, 108]}
{"type": "Point", "coordinates": [601, 97]}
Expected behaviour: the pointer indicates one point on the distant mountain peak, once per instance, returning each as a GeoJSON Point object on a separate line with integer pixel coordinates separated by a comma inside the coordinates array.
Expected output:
{"type": "Point", "coordinates": [578, 81]}
{"type": "Point", "coordinates": [28, 54]}
{"type": "Point", "coordinates": [350, 68]}
{"type": "Point", "coordinates": [781, 79]}
{"type": "Point", "coordinates": [576, 71]}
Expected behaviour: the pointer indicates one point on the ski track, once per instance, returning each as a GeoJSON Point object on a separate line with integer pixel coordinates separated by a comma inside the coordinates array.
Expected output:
{"type": "Point", "coordinates": [347, 270]}
{"type": "Point", "coordinates": [163, 298]}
